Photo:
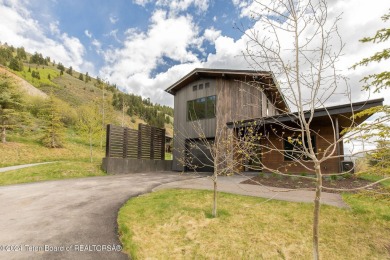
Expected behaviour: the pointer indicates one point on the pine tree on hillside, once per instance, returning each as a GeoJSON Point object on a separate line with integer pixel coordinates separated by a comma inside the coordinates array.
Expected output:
{"type": "Point", "coordinates": [16, 64]}
{"type": "Point", "coordinates": [81, 77]}
{"type": "Point", "coordinates": [21, 53]}
{"type": "Point", "coordinates": [61, 68]}
{"type": "Point", "coordinates": [11, 104]}
{"type": "Point", "coordinates": [54, 127]}
{"type": "Point", "coordinates": [87, 77]}
{"type": "Point", "coordinates": [5, 55]}
{"type": "Point", "coordinates": [70, 70]}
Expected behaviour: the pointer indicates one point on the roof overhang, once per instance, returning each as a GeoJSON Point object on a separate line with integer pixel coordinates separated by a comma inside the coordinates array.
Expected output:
{"type": "Point", "coordinates": [343, 112]}
{"type": "Point", "coordinates": [243, 75]}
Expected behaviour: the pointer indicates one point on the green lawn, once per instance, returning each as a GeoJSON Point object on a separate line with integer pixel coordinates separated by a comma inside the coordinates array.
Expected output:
{"type": "Point", "coordinates": [72, 161]}
{"type": "Point", "coordinates": [22, 149]}
{"type": "Point", "coordinates": [52, 171]}
{"type": "Point", "coordinates": [177, 224]}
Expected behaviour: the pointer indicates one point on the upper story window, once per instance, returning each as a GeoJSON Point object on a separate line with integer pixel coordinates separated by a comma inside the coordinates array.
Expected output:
{"type": "Point", "coordinates": [201, 108]}
{"type": "Point", "coordinates": [200, 86]}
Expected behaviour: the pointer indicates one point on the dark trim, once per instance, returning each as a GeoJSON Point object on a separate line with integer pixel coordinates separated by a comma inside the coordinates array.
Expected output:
{"type": "Point", "coordinates": [198, 72]}
{"type": "Point", "coordinates": [319, 112]}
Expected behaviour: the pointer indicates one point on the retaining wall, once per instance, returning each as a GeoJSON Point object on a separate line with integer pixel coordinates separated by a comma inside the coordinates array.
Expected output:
{"type": "Point", "coordinates": [127, 165]}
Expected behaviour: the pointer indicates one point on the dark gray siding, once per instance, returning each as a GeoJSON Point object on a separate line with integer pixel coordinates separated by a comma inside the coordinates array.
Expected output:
{"type": "Point", "coordinates": [184, 129]}
{"type": "Point", "coordinates": [236, 101]}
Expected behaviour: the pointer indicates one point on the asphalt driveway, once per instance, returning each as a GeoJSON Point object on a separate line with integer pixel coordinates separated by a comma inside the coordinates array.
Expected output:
{"type": "Point", "coordinates": [69, 219]}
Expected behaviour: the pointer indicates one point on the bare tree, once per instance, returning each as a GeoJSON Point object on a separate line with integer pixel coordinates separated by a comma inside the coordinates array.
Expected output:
{"type": "Point", "coordinates": [217, 153]}
{"type": "Point", "coordinates": [298, 42]}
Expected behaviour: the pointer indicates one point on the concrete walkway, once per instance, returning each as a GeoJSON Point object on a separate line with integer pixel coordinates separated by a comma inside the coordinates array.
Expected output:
{"type": "Point", "coordinates": [232, 185]}
{"type": "Point", "coordinates": [11, 168]}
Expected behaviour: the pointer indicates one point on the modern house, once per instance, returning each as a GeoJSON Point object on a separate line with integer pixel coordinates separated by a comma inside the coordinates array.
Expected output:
{"type": "Point", "coordinates": [242, 98]}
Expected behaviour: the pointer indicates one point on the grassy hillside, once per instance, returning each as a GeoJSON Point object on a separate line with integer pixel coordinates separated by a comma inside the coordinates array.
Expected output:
{"type": "Point", "coordinates": [42, 119]}
{"type": "Point", "coordinates": [75, 91]}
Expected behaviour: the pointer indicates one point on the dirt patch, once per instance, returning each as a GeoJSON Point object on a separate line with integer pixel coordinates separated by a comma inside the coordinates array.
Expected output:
{"type": "Point", "coordinates": [23, 84]}
{"type": "Point", "coordinates": [274, 180]}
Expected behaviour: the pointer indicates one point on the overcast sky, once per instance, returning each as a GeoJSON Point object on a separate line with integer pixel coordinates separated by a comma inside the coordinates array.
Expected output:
{"type": "Point", "coordinates": [144, 46]}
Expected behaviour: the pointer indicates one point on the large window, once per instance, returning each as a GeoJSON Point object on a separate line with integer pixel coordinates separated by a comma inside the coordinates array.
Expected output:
{"type": "Point", "coordinates": [294, 148]}
{"type": "Point", "coordinates": [201, 108]}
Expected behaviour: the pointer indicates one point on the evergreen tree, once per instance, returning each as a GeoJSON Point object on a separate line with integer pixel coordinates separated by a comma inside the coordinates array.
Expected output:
{"type": "Point", "coordinates": [37, 58]}
{"type": "Point", "coordinates": [21, 53]}
{"type": "Point", "coordinates": [35, 74]}
{"type": "Point", "coordinates": [54, 127]}
{"type": "Point", "coordinates": [378, 82]}
{"type": "Point", "coordinates": [61, 68]}
{"type": "Point", "coordinates": [81, 77]}
{"type": "Point", "coordinates": [70, 70]}
{"type": "Point", "coordinates": [16, 64]}
{"type": "Point", "coordinates": [5, 55]}
{"type": "Point", "coordinates": [87, 77]}
{"type": "Point", "coordinates": [381, 80]}
{"type": "Point", "coordinates": [11, 104]}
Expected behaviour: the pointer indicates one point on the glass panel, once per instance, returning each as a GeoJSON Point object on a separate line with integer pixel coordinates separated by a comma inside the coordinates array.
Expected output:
{"type": "Point", "coordinates": [200, 86]}
{"type": "Point", "coordinates": [194, 88]}
{"type": "Point", "coordinates": [210, 107]}
{"type": "Point", "coordinates": [207, 85]}
{"type": "Point", "coordinates": [190, 110]}
{"type": "Point", "coordinates": [200, 108]}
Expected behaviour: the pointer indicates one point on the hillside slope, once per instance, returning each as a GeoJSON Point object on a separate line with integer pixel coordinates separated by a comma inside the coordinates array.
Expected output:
{"type": "Point", "coordinates": [39, 76]}
{"type": "Point", "coordinates": [22, 83]}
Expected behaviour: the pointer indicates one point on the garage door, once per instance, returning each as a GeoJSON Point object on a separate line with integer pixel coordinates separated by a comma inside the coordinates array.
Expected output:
{"type": "Point", "coordinates": [198, 154]}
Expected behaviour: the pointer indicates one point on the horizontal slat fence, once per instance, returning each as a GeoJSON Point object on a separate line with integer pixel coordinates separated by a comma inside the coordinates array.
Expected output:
{"type": "Point", "coordinates": [145, 143]}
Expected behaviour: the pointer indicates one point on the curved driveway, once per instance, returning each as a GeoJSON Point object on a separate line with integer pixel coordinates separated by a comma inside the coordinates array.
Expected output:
{"type": "Point", "coordinates": [76, 217]}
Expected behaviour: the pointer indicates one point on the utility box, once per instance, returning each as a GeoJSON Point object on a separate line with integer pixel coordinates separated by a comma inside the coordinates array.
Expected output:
{"type": "Point", "coordinates": [347, 166]}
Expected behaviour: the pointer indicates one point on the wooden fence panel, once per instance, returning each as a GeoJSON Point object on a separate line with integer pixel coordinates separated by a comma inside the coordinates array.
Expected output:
{"type": "Point", "coordinates": [146, 143]}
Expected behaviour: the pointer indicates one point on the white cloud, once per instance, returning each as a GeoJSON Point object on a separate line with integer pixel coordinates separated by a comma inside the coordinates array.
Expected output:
{"type": "Point", "coordinates": [131, 66]}
{"type": "Point", "coordinates": [20, 29]}
{"type": "Point", "coordinates": [176, 6]}
{"type": "Point", "coordinates": [182, 5]}
{"type": "Point", "coordinates": [114, 35]}
{"type": "Point", "coordinates": [354, 25]}
{"type": "Point", "coordinates": [97, 45]}
{"type": "Point", "coordinates": [113, 19]}
{"type": "Point", "coordinates": [88, 34]}
{"type": "Point", "coordinates": [211, 34]}
{"type": "Point", "coordinates": [141, 2]}
{"type": "Point", "coordinates": [54, 28]}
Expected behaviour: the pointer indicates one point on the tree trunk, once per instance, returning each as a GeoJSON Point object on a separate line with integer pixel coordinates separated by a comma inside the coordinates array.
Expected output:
{"type": "Point", "coordinates": [316, 214]}
{"type": "Point", "coordinates": [215, 199]}
{"type": "Point", "coordinates": [3, 135]}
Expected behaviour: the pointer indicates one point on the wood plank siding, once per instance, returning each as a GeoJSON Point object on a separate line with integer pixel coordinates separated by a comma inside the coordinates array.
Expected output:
{"type": "Point", "coordinates": [235, 100]}
{"type": "Point", "coordinates": [238, 100]}
{"type": "Point", "coordinates": [324, 136]}
{"type": "Point", "coordinates": [183, 128]}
